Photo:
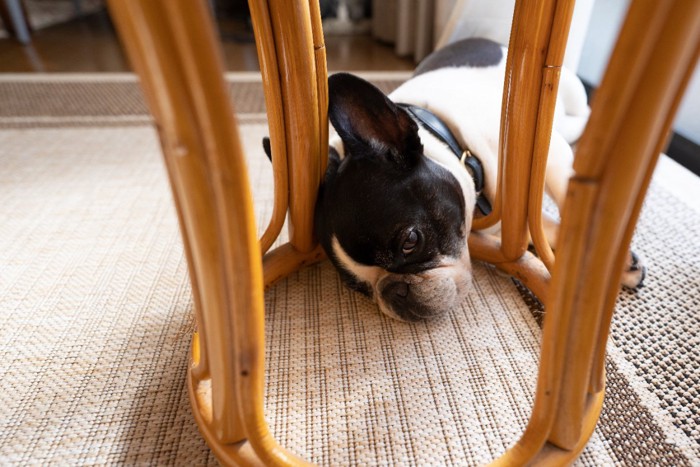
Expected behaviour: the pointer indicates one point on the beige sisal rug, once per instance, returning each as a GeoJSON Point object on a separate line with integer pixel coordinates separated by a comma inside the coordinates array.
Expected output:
{"type": "Point", "coordinates": [96, 316]}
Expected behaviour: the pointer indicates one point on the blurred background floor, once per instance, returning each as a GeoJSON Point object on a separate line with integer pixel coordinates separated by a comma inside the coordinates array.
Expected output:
{"type": "Point", "coordinates": [89, 44]}
{"type": "Point", "coordinates": [77, 36]}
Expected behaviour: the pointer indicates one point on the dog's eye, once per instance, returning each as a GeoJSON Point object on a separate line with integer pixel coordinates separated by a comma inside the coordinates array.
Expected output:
{"type": "Point", "coordinates": [410, 243]}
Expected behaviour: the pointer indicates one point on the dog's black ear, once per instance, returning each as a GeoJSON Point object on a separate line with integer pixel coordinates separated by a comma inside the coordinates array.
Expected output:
{"type": "Point", "coordinates": [369, 123]}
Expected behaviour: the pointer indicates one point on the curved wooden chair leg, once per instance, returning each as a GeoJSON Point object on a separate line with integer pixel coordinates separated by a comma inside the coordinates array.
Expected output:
{"type": "Point", "coordinates": [173, 48]}
{"type": "Point", "coordinates": [290, 43]}
{"type": "Point", "coordinates": [535, 56]}
{"type": "Point", "coordinates": [656, 52]}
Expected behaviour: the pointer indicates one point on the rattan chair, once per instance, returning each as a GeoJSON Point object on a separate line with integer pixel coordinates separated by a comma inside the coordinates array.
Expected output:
{"type": "Point", "coordinates": [172, 46]}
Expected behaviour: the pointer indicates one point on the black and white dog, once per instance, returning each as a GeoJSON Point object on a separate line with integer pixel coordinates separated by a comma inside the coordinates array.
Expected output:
{"type": "Point", "coordinates": [407, 173]}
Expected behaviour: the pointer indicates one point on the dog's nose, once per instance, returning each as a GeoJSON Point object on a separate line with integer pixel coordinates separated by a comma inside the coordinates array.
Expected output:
{"type": "Point", "coordinates": [408, 302]}
{"type": "Point", "coordinates": [397, 295]}
{"type": "Point", "coordinates": [399, 289]}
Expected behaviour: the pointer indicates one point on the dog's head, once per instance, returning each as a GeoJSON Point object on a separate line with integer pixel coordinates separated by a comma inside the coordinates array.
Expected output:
{"type": "Point", "coordinates": [393, 221]}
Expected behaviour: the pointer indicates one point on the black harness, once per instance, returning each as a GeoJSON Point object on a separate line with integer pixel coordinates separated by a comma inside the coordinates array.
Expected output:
{"type": "Point", "coordinates": [439, 129]}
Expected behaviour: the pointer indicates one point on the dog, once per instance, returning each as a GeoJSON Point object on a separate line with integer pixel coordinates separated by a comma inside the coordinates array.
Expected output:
{"type": "Point", "coordinates": [408, 172]}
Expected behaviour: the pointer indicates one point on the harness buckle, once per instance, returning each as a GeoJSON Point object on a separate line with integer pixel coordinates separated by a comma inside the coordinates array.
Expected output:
{"type": "Point", "coordinates": [465, 154]}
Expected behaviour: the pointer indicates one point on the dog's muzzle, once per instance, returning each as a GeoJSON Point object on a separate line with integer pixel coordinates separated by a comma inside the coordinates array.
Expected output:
{"type": "Point", "coordinates": [414, 297]}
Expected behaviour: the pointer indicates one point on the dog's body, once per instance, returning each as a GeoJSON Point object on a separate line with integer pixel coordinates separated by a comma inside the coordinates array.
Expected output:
{"type": "Point", "coordinates": [396, 205]}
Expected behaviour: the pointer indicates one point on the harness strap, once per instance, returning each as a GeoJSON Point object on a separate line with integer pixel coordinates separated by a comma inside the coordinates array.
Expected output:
{"type": "Point", "coordinates": [439, 129]}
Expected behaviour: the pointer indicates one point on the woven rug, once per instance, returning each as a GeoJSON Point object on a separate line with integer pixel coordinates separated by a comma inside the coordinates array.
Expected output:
{"type": "Point", "coordinates": [97, 316]}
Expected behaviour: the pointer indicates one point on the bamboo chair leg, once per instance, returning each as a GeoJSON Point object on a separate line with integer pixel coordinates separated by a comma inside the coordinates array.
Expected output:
{"type": "Point", "coordinates": [294, 39]}
{"type": "Point", "coordinates": [597, 374]}
{"type": "Point", "coordinates": [290, 43]}
{"type": "Point", "coordinates": [666, 57]}
{"type": "Point", "coordinates": [174, 50]}
{"type": "Point", "coordinates": [532, 33]}
{"type": "Point", "coordinates": [272, 86]}
{"type": "Point", "coordinates": [535, 56]}
{"type": "Point", "coordinates": [153, 52]}
{"type": "Point", "coordinates": [656, 52]}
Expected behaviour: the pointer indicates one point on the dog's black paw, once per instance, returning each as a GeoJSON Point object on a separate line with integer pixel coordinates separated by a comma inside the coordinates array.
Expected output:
{"type": "Point", "coordinates": [635, 272]}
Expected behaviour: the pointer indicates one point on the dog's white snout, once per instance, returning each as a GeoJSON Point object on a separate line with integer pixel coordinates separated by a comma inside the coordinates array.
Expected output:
{"type": "Point", "coordinates": [411, 297]}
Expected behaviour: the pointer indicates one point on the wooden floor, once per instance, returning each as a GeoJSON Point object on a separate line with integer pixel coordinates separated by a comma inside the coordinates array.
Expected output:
{"type": "Point", "coordinates": [89, 44]}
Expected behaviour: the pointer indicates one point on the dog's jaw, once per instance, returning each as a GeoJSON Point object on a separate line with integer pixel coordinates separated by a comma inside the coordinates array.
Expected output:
{"type": "Point", "coordinates": [369, 275]}
{"type": "Point", "coordinates": [434, 291]}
